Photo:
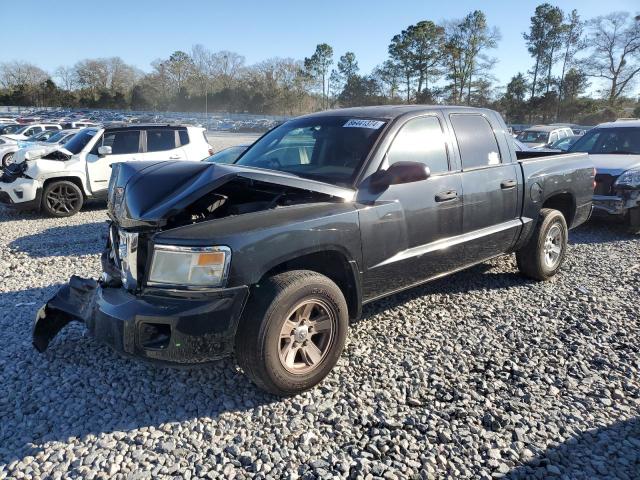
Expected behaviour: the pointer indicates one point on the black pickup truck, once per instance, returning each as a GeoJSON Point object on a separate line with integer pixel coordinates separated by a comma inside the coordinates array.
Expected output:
{"type": "Point", "coordinates": [270, 257]}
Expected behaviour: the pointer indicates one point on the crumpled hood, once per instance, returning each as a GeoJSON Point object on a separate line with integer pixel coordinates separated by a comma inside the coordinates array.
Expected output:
{"type": "Point", "coordinates": [35, 150]}
{"type": "Point", "coordinates": [613, 164]}
{"type": "Point", "coordinates": [148, 193]}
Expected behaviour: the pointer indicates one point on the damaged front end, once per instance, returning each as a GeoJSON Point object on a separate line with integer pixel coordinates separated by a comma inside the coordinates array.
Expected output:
{"type": "Point", "coordinates": [74, 301]}
{"type": "Point", "coordinates": [162, 321]}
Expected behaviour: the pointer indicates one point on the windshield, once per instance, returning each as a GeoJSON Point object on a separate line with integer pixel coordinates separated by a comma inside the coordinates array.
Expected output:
{"type": "Point", "coordinates": [531, 136]}
{"type": "Point", "coordinates": [10, 128]}
{"type": "Point", "coordinates": [80, 140]}
{"type": "Point", "coordinates": [328, 149]}
{"type": "Point", "coordinates": [617, 140]}
{"type": "Point", "coordinates": [21, 129]}
{"type": "Point", "coordinates": [56, 137]}
{"type": "Point", "coordinates": [228, 155]}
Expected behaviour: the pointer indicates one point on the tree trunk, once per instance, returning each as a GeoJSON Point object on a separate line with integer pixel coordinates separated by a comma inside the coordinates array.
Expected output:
{"type": "Point", "coordinates": [535, 78]}
{"type": "Point", "coordinates": [549, 71]}
{"type": "Point", "coordinates": [561, 86]}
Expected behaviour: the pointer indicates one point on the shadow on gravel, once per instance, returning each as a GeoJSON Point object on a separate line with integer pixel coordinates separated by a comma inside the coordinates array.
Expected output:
{"type": "Point", "coordinates": [612, 451]}
{"type": "Point", "coordinates": [601, 230]}
{"type": "Point", "coordinates": [83, 239]}
{"type": "Point", "coordinates": [479, 277]}
{"type": "Point", "coordinates": [8, 214]}
{"type": "Point", "coordinates": [80, 388]}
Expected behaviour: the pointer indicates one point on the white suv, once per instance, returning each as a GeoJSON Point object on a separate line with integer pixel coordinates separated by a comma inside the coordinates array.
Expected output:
{"type": "Point", "coordinates": [60, 181]}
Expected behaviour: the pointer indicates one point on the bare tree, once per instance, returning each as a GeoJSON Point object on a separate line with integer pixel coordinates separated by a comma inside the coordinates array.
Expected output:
{"type": "Point", "coordinates": [66, 77]}
{"type": "Point", "coordinates": [615, 56]}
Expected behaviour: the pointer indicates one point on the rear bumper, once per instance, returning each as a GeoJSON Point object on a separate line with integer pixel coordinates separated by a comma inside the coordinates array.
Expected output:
{"type": "Point", "coordinates": [166, 329]}
{"type": "Point", "coordinates": [617, 204]}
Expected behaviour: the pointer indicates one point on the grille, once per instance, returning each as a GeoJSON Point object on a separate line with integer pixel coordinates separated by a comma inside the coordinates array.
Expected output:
{"type": "Point", "coordinates": [604, 184]}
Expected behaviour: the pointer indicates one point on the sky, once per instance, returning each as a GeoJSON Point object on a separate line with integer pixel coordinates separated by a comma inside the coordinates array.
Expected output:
{"type": "Point", "coordinates": [140, 31]}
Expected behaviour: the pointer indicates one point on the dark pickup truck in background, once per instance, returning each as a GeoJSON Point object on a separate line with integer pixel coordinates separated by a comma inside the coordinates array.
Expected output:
{"type": "Point", "coordinates": [271, 257]}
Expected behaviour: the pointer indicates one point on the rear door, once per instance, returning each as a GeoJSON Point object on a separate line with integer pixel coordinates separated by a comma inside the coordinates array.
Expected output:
{"type": "Point", "coordinates": [490, 218]}
{"type": "Point", "coordinates": [125, 147]}
{"type": "Point", "coordinates": [162, 144]}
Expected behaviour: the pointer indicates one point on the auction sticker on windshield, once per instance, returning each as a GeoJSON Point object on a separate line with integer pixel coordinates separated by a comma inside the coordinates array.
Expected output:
{"type": "Point", "coordinates": [358, 123]}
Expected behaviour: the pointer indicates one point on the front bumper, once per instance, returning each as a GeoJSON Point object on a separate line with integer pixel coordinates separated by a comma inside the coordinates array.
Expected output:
{"type": "Point", "coordinates": [188, 328]}
{"type": "Point", "coordinates": [617, 204]}
{"type": "Point", "coordinates": [22, 193]}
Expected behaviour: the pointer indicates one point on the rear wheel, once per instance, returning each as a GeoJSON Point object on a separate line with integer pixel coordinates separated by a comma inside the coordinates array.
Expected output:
{"type": "Point", "coordinates": [62, 198]}
{"type": "Point", "coordinates": [543, 255]}
{"type": "Point", "coordinates": [7, 159]}
{"type": "Point", "coordinates": [292, 332]}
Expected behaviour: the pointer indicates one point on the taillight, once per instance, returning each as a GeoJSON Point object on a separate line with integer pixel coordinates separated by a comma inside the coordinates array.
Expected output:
{"type": "Point", "coordinates": [594, 178]}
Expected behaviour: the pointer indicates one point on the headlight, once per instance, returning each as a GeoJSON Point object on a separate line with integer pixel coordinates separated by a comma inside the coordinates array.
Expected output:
{"type": "Point", "coordinates": [630, 178]}
{"type": "Point", "coordinates": [189, 266]}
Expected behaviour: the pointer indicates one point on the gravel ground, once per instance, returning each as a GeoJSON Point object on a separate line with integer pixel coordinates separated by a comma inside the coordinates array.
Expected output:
{"type": "Point", "coordinates": [483, 374]}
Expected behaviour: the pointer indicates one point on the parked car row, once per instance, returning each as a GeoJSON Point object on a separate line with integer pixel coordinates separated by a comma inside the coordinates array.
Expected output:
{"type": "Point", "coordinates": [79, 118]}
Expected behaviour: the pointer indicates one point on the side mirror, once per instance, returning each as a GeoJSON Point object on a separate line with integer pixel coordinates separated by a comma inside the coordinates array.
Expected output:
{"type": "Point", "coordinates": [104, 151]}
{"type": "Point", "coordinates": [399, 173]}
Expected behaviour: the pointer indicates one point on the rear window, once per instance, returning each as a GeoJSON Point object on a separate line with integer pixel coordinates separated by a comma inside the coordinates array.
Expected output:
{"type": "Point", "coordinates": [184, 136]}
{"type": "Point", "coordinates": [476, 141]}
{"type": "Point", "coordinates": [159, 140]}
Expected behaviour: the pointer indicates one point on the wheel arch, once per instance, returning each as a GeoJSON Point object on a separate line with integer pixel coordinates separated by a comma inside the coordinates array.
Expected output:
{"type": "Point", "coordinates": [332, 263]}
{"type": "Point", "coordinates": [565, 203]}
{"type": "Point", "coordinates": [70, 178]}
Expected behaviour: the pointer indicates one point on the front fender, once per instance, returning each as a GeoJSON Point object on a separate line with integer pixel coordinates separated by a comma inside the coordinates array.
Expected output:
{"type": "Point", "coordinates": [262, 240]}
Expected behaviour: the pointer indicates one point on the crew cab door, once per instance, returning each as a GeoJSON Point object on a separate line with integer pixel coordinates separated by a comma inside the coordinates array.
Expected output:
{"type": "Point", "coordinates": [125, 147]}
{"type": "Point", "coordinates": [405, 233]}
{"type": "Point", "coordinates": [490, 185]}
{"type": "Point", "coordinates": [162, 144]}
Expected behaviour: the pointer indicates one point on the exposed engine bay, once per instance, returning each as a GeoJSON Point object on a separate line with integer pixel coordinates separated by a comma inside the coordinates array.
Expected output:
{"type": "Point", "coordinates": [243, 196]}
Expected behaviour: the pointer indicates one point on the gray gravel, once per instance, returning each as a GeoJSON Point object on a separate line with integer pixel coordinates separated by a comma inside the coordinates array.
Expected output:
{"type": "Point", "coordinates": [480, 375]}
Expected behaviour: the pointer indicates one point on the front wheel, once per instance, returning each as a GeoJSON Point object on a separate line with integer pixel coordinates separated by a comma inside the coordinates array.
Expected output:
{"type": "Point", "coordinates": [543, 255]}
{"type": "Point", "coordinates": [292, 332]}
{"type": "Point", "coordinates": [62, 198]}
{"type": "Point", "coordinates": [7, 159]}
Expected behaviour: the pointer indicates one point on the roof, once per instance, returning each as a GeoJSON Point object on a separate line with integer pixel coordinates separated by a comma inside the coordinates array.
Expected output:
{"type": "Point", "coordinates": [388, 111]}
{"type": "Point", "coordinates": [620, 124]}
{"type": "Point", "coordinates": [546, 128]}
{"type": "Point", "coordinates": [120, 126]}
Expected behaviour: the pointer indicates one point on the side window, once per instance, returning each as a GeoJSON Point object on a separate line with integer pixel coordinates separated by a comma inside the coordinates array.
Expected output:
{"type": "Point", "coordinates": [421, 140]}
{"type": "Point", "coordinates": [184, 136]}
{"type": "Point", "coordinates": [51, 127]}
{"type": "Point", "coordinates": [122, 142]}
{"type": "Point", "coordinates": [553, 137]}
{"type": "Point", "coordinates": [159, 140]}
{"type": "Point", "coordinates": [476, 141]}
{"type": "Point", "coordinates": [30, 132]}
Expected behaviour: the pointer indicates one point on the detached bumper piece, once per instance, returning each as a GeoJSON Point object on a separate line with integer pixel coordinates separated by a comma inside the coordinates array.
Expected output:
{"type": "Point", "coordinates": [186, 328]}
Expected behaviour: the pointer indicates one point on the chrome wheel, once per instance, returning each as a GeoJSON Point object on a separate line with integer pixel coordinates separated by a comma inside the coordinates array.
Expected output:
{"type": "Point", "coordinates": [8, 159]}
{"type": "Point", "coordinates": [553, 246]}
{"type": "Point", "coordinates": [306, 336]}
{"type": "Point", "coordinates": [63, 199]}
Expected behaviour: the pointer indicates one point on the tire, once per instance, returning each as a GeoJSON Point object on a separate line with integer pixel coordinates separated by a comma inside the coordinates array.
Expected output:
{"type": "Point", "coordinates": [634, 220]}
{"type": "Point", "coordinates": [7, 159]}
{"type": "Point", "coordinates": [279, 362]}
{"type": "Point", "coordinates": [541, 258]}
{"type": "Point", "coordinates": [62, 198]}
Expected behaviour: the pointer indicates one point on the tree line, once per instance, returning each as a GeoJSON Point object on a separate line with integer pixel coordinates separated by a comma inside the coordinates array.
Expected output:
{"type": "Point", "coordinates": [449, 62]}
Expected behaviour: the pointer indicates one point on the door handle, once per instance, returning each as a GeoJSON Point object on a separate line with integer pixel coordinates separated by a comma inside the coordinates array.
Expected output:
{"type": "Point", "coordinates": [507, 184]}
{"type": "Point", "coordinates": [446, 196]}
{"type": "Point", "coordinates": [174, 157]}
